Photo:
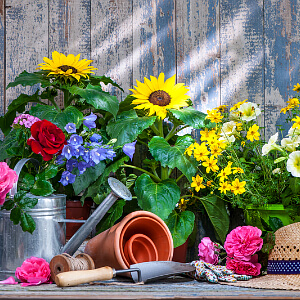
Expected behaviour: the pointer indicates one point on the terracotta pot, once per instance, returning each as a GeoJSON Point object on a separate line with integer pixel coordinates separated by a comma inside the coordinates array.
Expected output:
{"type": "Point", "coordinates": [74, 210]}
{"type": "Point", "coordinates": [180, 252]}
{"type": "Point", "coordinates": [141, 236]}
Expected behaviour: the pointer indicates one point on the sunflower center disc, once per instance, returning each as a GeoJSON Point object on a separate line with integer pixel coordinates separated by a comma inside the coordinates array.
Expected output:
{"type": "Point", "coordinates": [160, 98]}
{"type": "Point", "coordinates": [65, 68]}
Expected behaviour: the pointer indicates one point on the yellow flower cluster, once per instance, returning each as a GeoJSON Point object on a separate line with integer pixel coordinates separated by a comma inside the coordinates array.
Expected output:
{"type": "Point", "coordinates": [292, 103]}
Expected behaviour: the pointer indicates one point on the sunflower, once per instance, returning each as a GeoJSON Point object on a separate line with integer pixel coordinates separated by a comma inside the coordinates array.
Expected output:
{"type": "Point", "coordinates": [67, 66]}
{"type": "Point", "coordinates": [158, 95]}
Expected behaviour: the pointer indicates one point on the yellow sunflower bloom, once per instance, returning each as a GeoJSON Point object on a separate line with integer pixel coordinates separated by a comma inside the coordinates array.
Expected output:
{"type": "Point", "coordinates": [297, 122]}
{"type": "Point", "coordinates": [224, 187]}
{"type": "Point", "coordinates": [197, 183]}
{"type": "Point", "coordinates": [204, 134]}
{"type": "Point", "coordinates": [293, 102]}
{"type": "Point", "coordinates": [238, 187]}
{"type": "Point", "coordinates": [201, 152]}
{"type": "Point", "coordinates": [253, 133]}
{"type": "Point", "coordinates": [224, 173]}
{"type": "Point", "coordinates": [214, 116]}
{"type": "Point", "coordinates": [67, 67]}
{"type": "Point", "coordinates": [215, 150]}
{"type": "Point", "coordinates": [190, 149]}
{"type": "Point", "coordinates": [157, 95]}
{"type": "Point", "coordinates": [296, 87]}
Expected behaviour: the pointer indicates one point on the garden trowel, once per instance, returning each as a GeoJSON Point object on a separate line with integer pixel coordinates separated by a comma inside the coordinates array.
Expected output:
{"type": "Point", "coordinates": [141, 272]}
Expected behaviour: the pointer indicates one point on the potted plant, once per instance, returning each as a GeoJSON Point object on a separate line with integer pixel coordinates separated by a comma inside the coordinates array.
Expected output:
{"type": "Point", "coordinates": [238, 166]}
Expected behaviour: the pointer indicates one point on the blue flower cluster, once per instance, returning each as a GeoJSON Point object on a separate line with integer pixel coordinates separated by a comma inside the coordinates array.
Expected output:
{"type": "Point", "coordinates": [82, 154]}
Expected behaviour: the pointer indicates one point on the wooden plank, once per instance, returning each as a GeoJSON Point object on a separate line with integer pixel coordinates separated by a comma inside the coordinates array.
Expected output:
{"type": "Point", "coordinates": [69, 29]}
{"type": "Point", "coordinates": [242, 51]}
{"type": "Point", "coordinates": [26, 40]}
{"type": "Point", "coordinates": [111, 40]}
{"type": "Point", "coordinates": [154, 40]}
{"type": "Point", "coordinates": [198, 55]}
{"type": "Point", "coordinates": [2, 57]}
{"type": "Point", "coordinates": [282, 43]}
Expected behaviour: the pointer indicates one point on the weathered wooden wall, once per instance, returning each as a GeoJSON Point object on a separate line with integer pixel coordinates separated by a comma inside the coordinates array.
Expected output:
{"type": "Point", "coordinates": [225, 50]}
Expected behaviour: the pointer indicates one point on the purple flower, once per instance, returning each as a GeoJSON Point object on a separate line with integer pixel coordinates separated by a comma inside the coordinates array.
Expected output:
{"type": "Point", "coordinates": [75, 140]}
{"type": "Point", "coordinates": [82, 165]}
{"type": "Point", "coordinates": [60, 159]}
{"type": "Point", "coordinates": [78, 151]}
{"type": "Point", "coordinates": [86, 155]}
{"type": "Point", "coordinates": [98, 154]}
{"type": "Point", "coordinates": [96, 138]}
{"type": "Point", "coordinates": [67, 151]}
{"type": "Point", "coordinates": [70, 128]}
{"type": "Point", "coordinates": [91, 164]}
{"type": "Point", "coordinates": [66, 178]}
{"type": "Point", "coordinates": [89, 121]}
{"type": "Point", "coordinates": [25, 120]}
{"type": "Point", "coordinates": [71, 163]}
{"type": "Point", "coordinates": [129, 149]}
{"type": "Point", "coordinates": [110, 154]}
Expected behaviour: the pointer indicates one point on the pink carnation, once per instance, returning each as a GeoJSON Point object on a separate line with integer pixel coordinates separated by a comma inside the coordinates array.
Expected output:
{"type": "Point", "coordinates": [7, 179]}
{"type": "Point", "coordinates": [242, 242]}
{"type": "Point", "coordinates": [207, 251]}
{"type": "Point", "coordinates": [244, 267]}
{"type": "Point", "coordinates": [33, 271]}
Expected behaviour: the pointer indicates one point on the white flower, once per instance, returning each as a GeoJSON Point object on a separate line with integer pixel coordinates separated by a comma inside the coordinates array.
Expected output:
{"type": "Point", "coordinates": [293, 131]}
{"type": "Point", "coordinates": [293, 164]}
{"type": "Point", "coordinates": [228, 128]}
{"type": "Point", "coordinates": [249, 111]}
{"type": "Point", "coordinates": [227, 139]}
{"type": "Point", "coordinates": [271, 144]}
{"type": "Point", "coordinates": [234, 116]}
{"type": "Point", "coordinates": [289, 144]}
{"type": "Point", "coordinates": [277, 171]}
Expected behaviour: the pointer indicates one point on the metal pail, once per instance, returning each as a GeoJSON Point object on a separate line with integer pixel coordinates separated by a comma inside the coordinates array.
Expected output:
{"type": "Point", "coordinates": [45, 242]}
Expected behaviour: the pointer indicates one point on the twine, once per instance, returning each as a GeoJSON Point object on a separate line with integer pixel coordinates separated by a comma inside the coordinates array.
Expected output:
{"type": "Point", "coordinates": [77, 264]}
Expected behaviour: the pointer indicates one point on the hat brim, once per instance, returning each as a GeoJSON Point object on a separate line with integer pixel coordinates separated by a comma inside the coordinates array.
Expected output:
{"type": "Point", "coordinates": [270, 282]}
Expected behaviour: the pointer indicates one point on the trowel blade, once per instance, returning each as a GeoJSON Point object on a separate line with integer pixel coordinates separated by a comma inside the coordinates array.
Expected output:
{"type": "Point", "coordinates": [154, 270]}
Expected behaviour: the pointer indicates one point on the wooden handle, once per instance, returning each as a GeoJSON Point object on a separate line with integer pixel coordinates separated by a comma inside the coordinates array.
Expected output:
{"type": "Point", "coordinates": [72, 278]}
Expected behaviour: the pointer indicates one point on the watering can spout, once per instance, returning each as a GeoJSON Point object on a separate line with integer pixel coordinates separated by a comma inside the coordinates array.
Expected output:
{"type": "Point", "coordinates": [118, 190]}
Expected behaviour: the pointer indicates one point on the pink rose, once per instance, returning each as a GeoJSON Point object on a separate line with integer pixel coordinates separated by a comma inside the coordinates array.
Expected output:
{"type": "Point", "coordinates": [242, 242]}
{"type": "Point", "coordinates": [244, 267]}
{"type": "Point", "coordinates": [207, 251]}
{"type": "Point", "coordinates": [33, 271]}
{"type": "Point", "coordinates": [7, 178]}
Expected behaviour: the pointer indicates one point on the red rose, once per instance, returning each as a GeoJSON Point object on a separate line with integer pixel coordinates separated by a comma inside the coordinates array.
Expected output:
{"type": "Point", "coordinates": [244, 267]}
{"type": "Point", "coordinates": [46, 139]}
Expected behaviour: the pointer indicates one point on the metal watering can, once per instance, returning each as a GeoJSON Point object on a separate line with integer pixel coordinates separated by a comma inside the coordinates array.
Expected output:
{"type": "Point", "coordinates": [49, 237]}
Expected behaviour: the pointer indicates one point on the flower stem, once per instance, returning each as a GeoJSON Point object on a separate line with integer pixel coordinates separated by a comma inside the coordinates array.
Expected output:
{"type": "Point", "coordinates": [171, 133]}
{"type": "Point", "coordinates": [156, 178]}
{"type": "Point", "coordinates": [154, 128]}
{"type": "Point", "coordinates": [66, 98]}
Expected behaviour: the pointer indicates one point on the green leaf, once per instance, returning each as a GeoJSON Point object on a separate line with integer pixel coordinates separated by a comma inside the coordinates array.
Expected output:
{"type": "Point", "coordinates": [276, 161]}
{"type": "Point", "coordinates": [11, 141]}
{"type": "Point", "coordinates": [128, 126]}
{"type": "Point", "coordinates": [90, 175]}
{"type": "Point", "coordinates": [50, 172]}
{"type": "Point", "coordinates": [114, 213]}
{"type": "Point", "coordinates": [19, 196]}
{"type": "Point", "coordinates": [8, 205]}
{"type": "Point", "coordinates": [269, 242]}
{"type": "Point", "coordinates": [17, 105]}
{"type": "Point", "coordinates": [30, 79]}
{"type": "Point", "coordinates": [217, 213]}
{"type": "Point", "coordinates": [42, 188]}
{"type": "Point", "coordinates": [27, 223]}
{"type": "Point", "coordinates": [181, 226]}
{"type": "Point", "coordinates": [60, 119]}
{"type": "Point", "coordinates": [27, 182]}
{"type": "Point", "coordinates": [173, 156]}
{"type": "Point", "coordinates": [190, 116]}
{"type": "Point", "coordinates": [15, 215]}
{"type": "Point", "coordinates": [159, 198]}
{"type": "Point", "coordinates": [95, 80]}
{"type": "Point", "coordinates": [295, 184]}
{"type": "Point", "coordinates": [275, 223]}
{"type": "Point", "coordinates": [28, 203]}
{"type": "Point", "coordinates": [97, 98]}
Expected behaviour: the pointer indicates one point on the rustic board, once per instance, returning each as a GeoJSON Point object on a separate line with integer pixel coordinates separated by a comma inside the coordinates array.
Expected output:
{"type": "Point", "coordinates": [2, 56]}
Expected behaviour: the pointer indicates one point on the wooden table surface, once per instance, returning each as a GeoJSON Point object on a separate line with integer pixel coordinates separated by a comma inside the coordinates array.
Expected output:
{"type": "Point", "coordinates": [172, 288]}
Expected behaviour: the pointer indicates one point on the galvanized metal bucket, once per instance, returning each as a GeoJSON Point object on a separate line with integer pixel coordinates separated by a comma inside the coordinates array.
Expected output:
{"type": "Point", "coordinates": [46, 241]}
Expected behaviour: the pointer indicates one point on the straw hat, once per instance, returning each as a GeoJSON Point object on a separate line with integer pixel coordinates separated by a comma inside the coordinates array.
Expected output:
{"type": "Point", "coordinates": [283, 262]}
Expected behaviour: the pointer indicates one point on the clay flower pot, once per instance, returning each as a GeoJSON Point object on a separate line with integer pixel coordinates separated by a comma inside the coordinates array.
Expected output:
{"type": "Point", "coordinates": [141, 236]}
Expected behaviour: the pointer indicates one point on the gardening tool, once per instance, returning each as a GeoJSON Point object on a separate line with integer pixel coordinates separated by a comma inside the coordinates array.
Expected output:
{"type": "Point", "coordinates": [142, 272]}
{"type": "Point", "coordinates": [119, 190]}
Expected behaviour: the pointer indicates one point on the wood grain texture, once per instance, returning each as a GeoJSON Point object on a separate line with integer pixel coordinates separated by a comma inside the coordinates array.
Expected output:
{"type": "Point", "coordinates": [282, 44]}
{"type": "Point", "coordinates": [242, 51]}
{"type": "Point", "coordinates": [2, 57]}
{"type": "Point", "coordinates": [111, 39]}
{"type": "Point", "coordinates": [198, 56]}
{"type": "Point", "coordinates": [153, 38]}
{"type": "Point", "coordinates": [26, 40]}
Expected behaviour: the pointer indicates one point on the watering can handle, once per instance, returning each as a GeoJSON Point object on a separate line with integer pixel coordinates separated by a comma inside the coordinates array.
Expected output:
{"type": "Point", "coordinates": [18, 167]}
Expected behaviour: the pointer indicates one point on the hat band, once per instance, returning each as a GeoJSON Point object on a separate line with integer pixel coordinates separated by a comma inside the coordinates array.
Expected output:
{"type": "Point", "coordinates": [283, 267]}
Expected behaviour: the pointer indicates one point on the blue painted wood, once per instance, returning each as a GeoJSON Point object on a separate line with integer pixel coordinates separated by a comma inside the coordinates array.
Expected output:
{"type": "Point", "coordinates": [153, 38]}
{"type": "Point", "coordinates": [282, 44]}
{"type": "Point", "coordinates": [242, 51]}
